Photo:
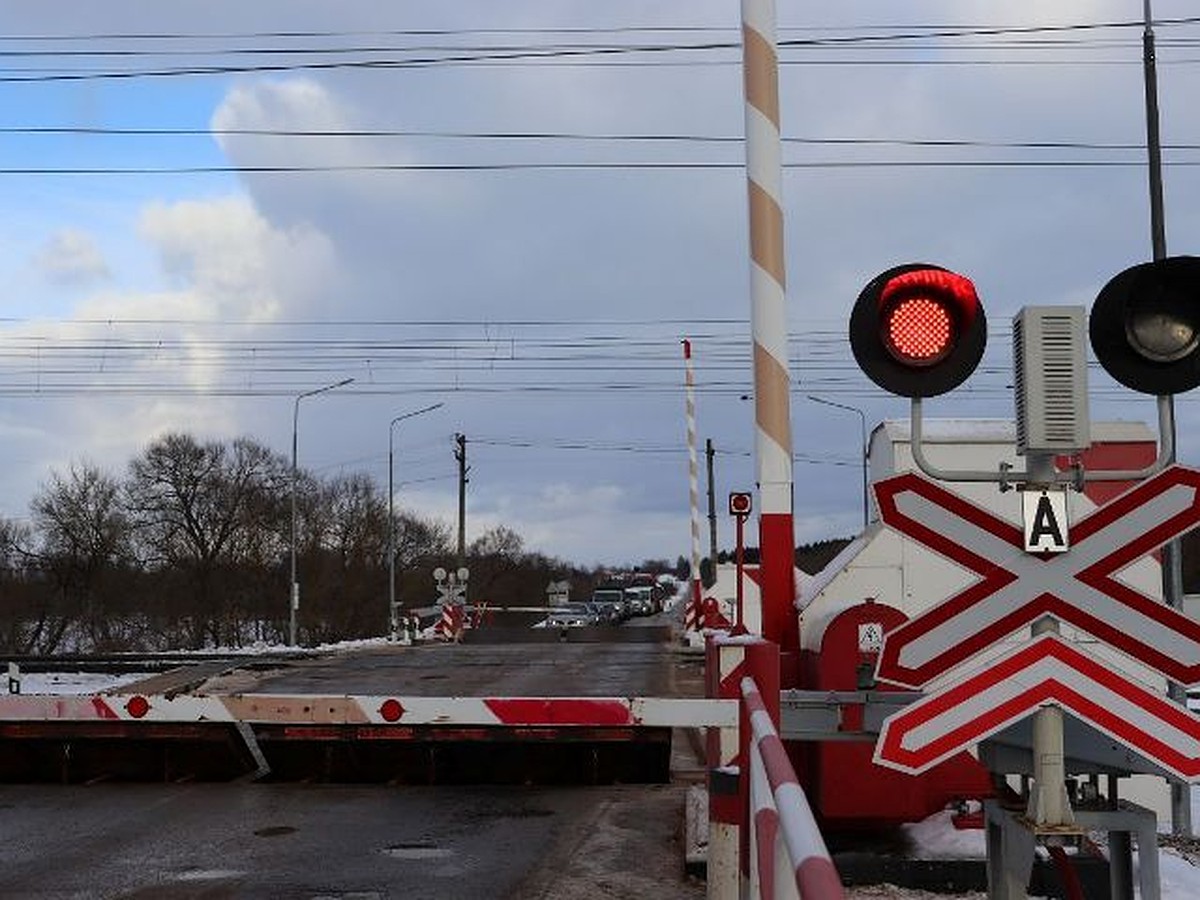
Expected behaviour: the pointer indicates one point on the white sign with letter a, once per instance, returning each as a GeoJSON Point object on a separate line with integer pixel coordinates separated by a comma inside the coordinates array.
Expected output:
{"type": "Point", "coordinates": [1045, 514]}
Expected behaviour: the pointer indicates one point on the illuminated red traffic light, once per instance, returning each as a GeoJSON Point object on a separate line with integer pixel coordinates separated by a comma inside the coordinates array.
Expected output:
{"type": "Point", "coordinates": [918, 330]}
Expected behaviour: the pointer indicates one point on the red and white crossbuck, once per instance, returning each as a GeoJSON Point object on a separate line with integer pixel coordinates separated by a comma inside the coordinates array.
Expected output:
{"type": "Point", "coordinates": [1014, 590]}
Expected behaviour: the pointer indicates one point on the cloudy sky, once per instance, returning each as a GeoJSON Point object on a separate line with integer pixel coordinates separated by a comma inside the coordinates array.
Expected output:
{"type": "Point", "coordinates": [519, 209]}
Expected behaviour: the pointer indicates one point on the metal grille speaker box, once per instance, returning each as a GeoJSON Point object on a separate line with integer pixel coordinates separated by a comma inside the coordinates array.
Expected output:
{"type": "Point", "coordinates": [1050, 370]}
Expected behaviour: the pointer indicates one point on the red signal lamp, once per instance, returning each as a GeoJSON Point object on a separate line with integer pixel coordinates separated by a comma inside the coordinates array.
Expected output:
{"type": "Point", "coordinates": [740, 503]}
{"type": "Point", "coordinates": [918, 330]}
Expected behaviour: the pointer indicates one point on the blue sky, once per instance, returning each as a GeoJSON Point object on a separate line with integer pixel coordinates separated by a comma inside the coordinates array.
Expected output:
{"type": "Point", "coordinates": [544, 307]}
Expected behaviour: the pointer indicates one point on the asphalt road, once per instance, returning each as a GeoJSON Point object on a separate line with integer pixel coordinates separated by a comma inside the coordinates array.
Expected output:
{"type": "Point", "coordinates": [214, 841]}
{"type": "Point", "coordinates": [211, 842]}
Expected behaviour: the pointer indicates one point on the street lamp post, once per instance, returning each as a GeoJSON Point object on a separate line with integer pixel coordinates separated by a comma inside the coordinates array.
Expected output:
{"type": "Point", "coordinates": [294, 599]}
{"type": "Point", "coordinates": [863, 420]}
{"type": "Point", "coordinates": [393, 610]}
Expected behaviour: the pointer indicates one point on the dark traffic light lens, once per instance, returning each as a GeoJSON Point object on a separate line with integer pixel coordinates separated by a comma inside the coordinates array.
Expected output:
{"type": "Point", "coordinates": [1145, 326]}
{"type": "Point", "coordinates": [918, 331]}
{"type": "Point", "coordinates": [1161, 329]}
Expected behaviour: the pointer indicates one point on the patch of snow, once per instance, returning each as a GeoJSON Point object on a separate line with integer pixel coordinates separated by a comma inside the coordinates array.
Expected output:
{"type": "Point", "coordinates": [937, 838]}
{"type": "Point", "coordinates": [75, 683]}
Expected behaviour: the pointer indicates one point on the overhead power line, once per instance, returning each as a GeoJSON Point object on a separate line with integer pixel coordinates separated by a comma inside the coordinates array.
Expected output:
{"type": "Point", "coordinates": [541, 136]}
{"type": "Point", "coordinates": [384, 168]}
{"type": "Point", "coordinates": [529, 54]}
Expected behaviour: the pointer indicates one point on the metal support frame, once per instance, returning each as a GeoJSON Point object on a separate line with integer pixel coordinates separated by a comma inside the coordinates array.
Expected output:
{"type": "Point", "coordinates": [1006, 477]}
{"type": "Point", "coordinates": [1012, 841]}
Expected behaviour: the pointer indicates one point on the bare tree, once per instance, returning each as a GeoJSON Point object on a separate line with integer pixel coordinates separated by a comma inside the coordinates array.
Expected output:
{"type": "Point", "coordinates": [196, 508]}
{"type": "Point", "coordinates": [357, 521]}
{"type": "Point", "coordinates": [346, 564]}
{"type": "Point", "coordinates": [418, 539]}
{"type": "Point", "coordinates": [498, 541]}
{"type": "Point", "coordinates": [84, 540]}
{"type": "Point", "coordinates": [32, 619]}
{"type": "Point", "coordinates": [495, 560]}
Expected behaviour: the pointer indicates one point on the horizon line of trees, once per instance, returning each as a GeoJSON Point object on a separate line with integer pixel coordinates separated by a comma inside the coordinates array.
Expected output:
{"type": "Point", "coordinates": [191, 547]}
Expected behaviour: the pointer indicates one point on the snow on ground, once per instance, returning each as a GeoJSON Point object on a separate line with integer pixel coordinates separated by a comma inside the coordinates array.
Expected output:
{"type": "Point", "coordinates": [937, 838]}
{"type": "Point", "coordinates": [97, 682]}
{"type": "Point", "coordinates": [75, 682]}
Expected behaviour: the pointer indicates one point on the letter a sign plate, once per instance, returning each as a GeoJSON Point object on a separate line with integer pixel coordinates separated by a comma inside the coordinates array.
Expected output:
{"type": "Point", "coordinates": [1045, 515]}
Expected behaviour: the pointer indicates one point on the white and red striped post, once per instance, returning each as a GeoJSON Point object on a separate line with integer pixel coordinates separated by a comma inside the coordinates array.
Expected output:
{"type": "Point", "coordinates": [773, 434]}
{"type": "Point", "coordinates": [693, 617]}
{"type": "Point", "coordinates": [723, 668]}
{"type": "Point", "coordinates": [788, 855]}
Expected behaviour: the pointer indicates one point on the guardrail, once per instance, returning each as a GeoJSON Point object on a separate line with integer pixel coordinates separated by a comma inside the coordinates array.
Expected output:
{"type": "Point", "coordinates": [788, 857]}
{"type": "Point", "coordinates": [763, 841]}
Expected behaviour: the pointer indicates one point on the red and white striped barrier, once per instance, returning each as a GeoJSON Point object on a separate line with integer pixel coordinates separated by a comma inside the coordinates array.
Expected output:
{"type": "Point", "coordinates": [693, 615]}
{"type": "Point", "coordinates": [450, 626]}
{"type": "Point", "coordinates": [788, 857]}
{"type": "Point", "coordinates": [565, 712]}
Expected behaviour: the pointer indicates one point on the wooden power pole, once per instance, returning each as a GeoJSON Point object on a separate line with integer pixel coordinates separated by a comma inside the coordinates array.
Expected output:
{"type": "Point", "coordinates": [460, 454]}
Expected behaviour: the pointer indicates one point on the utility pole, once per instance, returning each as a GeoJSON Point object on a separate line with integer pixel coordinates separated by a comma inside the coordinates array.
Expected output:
{"type": "Point", "coordinates": [1172, 551]}
{"type": "Point", "coordinates": [460, 454]}
{"type": "Point", "coordinates": [709, 453]}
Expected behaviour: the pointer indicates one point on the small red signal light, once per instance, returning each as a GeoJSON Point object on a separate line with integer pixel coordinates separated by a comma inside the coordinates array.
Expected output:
{"type": "Point", "coordinates": [918, 330]}
{"type": "Point", "coordinates": [740, 503]}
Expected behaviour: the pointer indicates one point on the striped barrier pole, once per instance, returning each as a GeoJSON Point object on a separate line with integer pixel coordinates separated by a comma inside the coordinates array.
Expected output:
{"type": "Point", "coordinates": [773, 430]}
{"type": "Point", "coordinates": [371, 710]}
{"type": "Point", "coordinates": [788, 855]}
{"type": "Point", "coordinates": [693, 619]}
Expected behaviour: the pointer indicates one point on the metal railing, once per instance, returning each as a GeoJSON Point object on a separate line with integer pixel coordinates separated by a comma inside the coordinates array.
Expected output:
{"type": "Point", "coordinates": [788, 857]}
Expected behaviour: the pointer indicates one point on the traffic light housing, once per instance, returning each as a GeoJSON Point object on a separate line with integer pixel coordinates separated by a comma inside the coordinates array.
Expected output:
{"type": "Point", "coordinates": [918, 330]}
{"type": "Point", "coordinates": [1145, 326]}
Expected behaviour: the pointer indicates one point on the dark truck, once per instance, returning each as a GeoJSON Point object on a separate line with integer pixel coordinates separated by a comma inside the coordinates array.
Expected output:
{"type": "Point", "coordinates": [611, 605]}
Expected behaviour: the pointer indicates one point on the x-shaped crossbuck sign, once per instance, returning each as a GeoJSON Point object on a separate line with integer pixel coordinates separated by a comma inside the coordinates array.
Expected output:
{"type": "Point", "coordinates": [1016, 588]}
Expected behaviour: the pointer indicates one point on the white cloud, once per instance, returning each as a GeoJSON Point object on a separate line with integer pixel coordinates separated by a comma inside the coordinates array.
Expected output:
{"type": "Point", "coordinates": [71, 257]}
{"type": "Point", "coordinates": [229, 262]}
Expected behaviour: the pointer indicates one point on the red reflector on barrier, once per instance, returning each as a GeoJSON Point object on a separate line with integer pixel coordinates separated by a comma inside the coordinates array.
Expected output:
{"type": "Point", "coordinates": [391, 710]}
{"type": "Point", "coordinates": [137, 706]}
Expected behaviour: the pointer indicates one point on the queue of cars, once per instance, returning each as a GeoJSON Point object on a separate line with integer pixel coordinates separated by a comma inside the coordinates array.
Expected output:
{"type": "Point", "coordinates": [611, 604]}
